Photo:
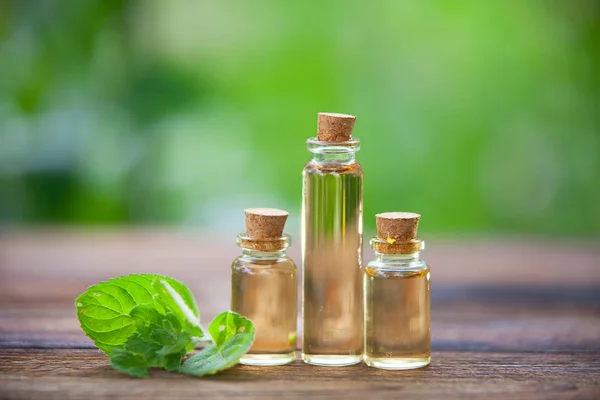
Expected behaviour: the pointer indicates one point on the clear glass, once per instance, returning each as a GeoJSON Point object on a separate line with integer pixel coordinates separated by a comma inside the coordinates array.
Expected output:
{"type": "Point", "coordinates": [264, 288]}
{"type": "Point", "coordinates": [332, 211]}
{"type": "Point", "coordinates": [397, 312]}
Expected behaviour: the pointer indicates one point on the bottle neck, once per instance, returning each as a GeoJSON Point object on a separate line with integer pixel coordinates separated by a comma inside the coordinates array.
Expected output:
{"type": "Point", "coordinates": [397, 257]}
{"type": "Point", "coordinates": [333, 152]}
{"type": "Point", "coordinates": [271, 248]}
{"type": "Point", "coordinates": [343, 158]}
{"type": "Point", "coordinates": [263, 255]}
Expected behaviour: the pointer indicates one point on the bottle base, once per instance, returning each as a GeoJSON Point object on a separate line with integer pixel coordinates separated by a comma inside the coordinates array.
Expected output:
{"type": "Point", "coordinates": [268, 359]}
{"type": "Point", "coordinates": [331, 360]}
{"type": "Point", "coordinates": [397, 363]}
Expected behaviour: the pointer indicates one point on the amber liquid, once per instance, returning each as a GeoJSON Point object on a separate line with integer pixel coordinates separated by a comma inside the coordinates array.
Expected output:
{"type": "Point", "coordinates": [397, 317]}
{"type": "Point", "coordinates": [332, 256]}
{"type": "Point", "coordinates": [266, 292]}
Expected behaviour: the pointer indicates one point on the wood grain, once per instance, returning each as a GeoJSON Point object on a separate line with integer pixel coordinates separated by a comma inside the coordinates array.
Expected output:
{"type": "Point", "coordinates": [511, 318]}
{"type": "Point", "coordinates": [75, 374]}
{"type": "Point", "coordinates": [463, 318]}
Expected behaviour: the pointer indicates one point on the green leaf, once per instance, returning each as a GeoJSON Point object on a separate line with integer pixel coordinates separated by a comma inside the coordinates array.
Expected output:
{"type": "Point", "coordinates": [184, 292]}
{"type": "Point", "coordinates": [104, 310]}
{"type": "Point", "coordinates": [159, 341]}
{"type": "Point", "coordinates": [129, 363]}
{"type": "Point", "coordinates": [232, 337]}
{"type": "Point", "coordinates": [172, 299]}
{"type": "Point", "coordinates": [144, 321]}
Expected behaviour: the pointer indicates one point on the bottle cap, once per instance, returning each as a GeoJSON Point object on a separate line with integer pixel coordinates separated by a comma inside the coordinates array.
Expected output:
{"type": "Point", "coordinates": [334, 127]}
{"type": "Point", "coordinates": [397, 226]}
{"type": "Point", "coordinates": [265, 223]}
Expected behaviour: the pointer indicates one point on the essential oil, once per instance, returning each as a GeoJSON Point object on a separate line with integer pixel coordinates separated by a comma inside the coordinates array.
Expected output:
{"type": "Point", "coordinates": [332, 246]}
{"type": "Point", "coordinates": [397, 296]}
{"type": "Point", "coordinates": [264, 287]}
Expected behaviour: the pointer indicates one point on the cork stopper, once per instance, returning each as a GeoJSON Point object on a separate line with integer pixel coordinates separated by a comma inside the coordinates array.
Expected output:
{"type": "Point", "coordinates": [264, 229]}
{"type": "Point", "coordinates": [399, 226]}
{"type": "Point", "coordinates": [334, 127]}
{"type": "Point", "coordinates": [265, 223]}
{"type": "Point", "coordinates": [397, 233]}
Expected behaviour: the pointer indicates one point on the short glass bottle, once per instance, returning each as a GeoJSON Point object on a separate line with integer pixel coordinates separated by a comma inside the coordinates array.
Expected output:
{"type": "Point", "coordinates": [264, 289]}
{"type": "Point", "coordinates": [397, 306]}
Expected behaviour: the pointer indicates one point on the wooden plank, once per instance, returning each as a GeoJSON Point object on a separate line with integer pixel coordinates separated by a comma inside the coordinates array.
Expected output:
{"type": "Point", "coordinates": [75, 374]}
{"type": "Point", "coordinates": [41, 273]}
{"type": "Point", "coordinates": [464, 318]}
{"type": "Point", "coordinates": [510, 319]}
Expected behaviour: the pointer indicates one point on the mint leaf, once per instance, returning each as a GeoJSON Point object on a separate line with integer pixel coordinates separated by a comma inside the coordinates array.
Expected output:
{"type": "Point", "coordinates": [232, 337]}
{"type": "Point", "coordinates": [144, 321]}
{"type": "Point", "coordinates": [159, 338]}
{"type": "Point", "coordinates": [104, 310]}
{"type": "Point", "coordinates": [129, 363]}
{"type": "Point", "coordinates": [158, 342]}
{"type": "Point", "coordinates": [171, 299]}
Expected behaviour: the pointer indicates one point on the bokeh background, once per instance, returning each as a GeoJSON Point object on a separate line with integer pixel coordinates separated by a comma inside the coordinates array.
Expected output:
{"type": "Point", "coordinates": [484, 116]}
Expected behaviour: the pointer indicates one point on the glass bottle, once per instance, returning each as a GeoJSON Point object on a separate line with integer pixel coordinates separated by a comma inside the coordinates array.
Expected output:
{"type": "Point", "coordinates": [264, 287]}
{"type": "Point", "coordinates": [332, 209]}
{"type": "Point", "coordinates": [397, 296]}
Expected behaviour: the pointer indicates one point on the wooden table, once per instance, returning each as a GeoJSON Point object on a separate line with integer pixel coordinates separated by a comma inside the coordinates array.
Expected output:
{"type": "Point", "coordinates": [511, 319]}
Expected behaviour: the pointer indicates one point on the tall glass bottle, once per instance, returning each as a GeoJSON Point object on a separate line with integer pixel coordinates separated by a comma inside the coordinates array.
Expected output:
{"type": "Point", "coordinates": [397, 296]}
{"type": "Point", "coordinates": [332, 210]}
{"type": "Point", "coordinates": [264, 287]}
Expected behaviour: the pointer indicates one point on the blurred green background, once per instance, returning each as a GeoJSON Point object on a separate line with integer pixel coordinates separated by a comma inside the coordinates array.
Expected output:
{"type": "Point", "coordinates": [484, 116]}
